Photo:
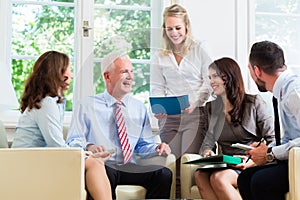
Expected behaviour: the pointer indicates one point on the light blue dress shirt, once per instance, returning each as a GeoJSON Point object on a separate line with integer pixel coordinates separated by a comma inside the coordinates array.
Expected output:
{"type": "Point", "coordinates": [287, 91]}
{"type": "Point", "coordinates": [93, 122]}
{"type": "Point", "coordinates": [41, 127]}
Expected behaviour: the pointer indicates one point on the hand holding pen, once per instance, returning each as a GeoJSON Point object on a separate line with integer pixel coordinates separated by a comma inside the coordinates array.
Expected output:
{"type": "Point", "coordinates": [258, 144]}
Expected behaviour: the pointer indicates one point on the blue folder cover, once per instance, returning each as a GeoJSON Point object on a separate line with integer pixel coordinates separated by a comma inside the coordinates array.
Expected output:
{"type": "Point", "coordinates": [171, 105]}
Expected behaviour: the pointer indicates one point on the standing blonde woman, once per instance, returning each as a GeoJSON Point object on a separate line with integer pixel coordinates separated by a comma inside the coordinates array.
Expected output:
{"type": "Point", "coordinates": [179, 68]}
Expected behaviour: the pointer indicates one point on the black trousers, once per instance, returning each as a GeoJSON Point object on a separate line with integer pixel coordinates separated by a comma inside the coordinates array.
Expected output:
{"type": "Point", "coordinates": [156, 179]}
{"type": "Point", "coordinates": [268, 182]}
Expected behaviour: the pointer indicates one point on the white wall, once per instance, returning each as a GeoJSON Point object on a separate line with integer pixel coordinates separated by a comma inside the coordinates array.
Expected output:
{"type": "Point", "coordinates": [224, 25]}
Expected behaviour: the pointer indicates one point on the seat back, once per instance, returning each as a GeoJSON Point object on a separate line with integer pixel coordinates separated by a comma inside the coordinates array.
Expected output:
{"type": "Point", "coordinates": [294, 174]}
{"type": "Point", "coordinates": [42, 173]}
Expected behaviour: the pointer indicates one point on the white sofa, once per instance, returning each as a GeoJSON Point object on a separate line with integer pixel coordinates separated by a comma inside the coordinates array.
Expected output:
{"type": "Point", "coordinates": [189, 189]}
{"type": "Point", "coordinates": [57, 173]}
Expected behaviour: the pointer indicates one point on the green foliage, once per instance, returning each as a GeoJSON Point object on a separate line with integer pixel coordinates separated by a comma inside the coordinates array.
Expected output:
{"type": "Point", "coordinates": [37, 29]}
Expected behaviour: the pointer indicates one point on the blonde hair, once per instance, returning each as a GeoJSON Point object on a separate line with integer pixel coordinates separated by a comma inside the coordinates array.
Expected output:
{"type": "Point", "coordinates": [176, 10]}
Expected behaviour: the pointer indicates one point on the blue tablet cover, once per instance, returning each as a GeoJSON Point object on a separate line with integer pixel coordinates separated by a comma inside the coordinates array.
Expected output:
{"type": "Point", "coordinates": [171, 105]}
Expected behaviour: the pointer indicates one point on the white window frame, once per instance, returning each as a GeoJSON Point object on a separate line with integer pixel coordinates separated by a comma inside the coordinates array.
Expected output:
{"type": "Point", "coordinates": [83, 85]}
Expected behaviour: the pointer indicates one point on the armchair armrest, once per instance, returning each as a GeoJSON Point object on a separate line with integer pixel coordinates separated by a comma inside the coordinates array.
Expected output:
{"type": "Point", "coordinates": [168, 161]}
{"type": "Point", "coordinates": [42, 173]}
{"type": "Point", "coordinates": [294, 174]}
{"type": "Point", "coordinates": [189, 189]}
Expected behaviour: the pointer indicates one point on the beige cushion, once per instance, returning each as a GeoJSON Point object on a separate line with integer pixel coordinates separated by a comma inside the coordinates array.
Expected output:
{"type": "Point", "coordinates": [294, 174]}
{"type": "Point", "coordinates": [124, 192]}
{"type": "Point", "coordinates": [42, 173]}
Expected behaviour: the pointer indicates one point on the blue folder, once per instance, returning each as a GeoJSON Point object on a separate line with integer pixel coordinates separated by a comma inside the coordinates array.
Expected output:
{"type": "Point", "coordinates": [171, 105]}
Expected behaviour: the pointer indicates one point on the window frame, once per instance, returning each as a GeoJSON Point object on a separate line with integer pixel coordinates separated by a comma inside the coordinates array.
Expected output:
{"type": "Point", "coordinates": [83, 84]}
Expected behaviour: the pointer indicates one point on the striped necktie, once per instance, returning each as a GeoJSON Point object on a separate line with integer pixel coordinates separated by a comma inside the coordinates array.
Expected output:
{"type": "Point", "coordinates": [123, 135]}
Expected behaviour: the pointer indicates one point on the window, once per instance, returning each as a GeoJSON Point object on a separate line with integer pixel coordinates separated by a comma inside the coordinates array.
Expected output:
{"type": "Point", "coordinates": [279, 22]}
{"type": "Point", "coordinates": [124, 26]}
{"type": "Point", "coordinates": [37, 26]}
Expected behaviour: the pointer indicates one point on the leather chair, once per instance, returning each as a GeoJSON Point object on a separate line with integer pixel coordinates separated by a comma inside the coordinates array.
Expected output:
{"type": "Point", "coordinates": [189, 189]}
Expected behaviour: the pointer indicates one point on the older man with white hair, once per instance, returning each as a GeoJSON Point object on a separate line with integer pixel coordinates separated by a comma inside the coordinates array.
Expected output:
{"type": "Point", "coordinates": [115, 121]}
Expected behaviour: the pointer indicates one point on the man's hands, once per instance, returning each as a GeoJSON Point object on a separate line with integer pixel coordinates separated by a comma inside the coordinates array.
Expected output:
{"type": "Point", "coordinates": [99, 153]}
{"type": "Point", "coordinates": [163, 149]}
{"type": "Point", "coordinates": [258, 154]}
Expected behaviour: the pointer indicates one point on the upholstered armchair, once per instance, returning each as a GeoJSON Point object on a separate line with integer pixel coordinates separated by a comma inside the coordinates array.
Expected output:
{"type": "Point", "coordinates": [189, 189]}
{"type": "Point", "coordinates": [42, 173]}
{"type": "Point", "coordinates": [294, 174]}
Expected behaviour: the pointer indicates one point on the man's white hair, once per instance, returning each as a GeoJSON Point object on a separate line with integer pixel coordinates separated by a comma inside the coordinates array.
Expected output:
{"type": "Point", "coordinates": [109, 59]}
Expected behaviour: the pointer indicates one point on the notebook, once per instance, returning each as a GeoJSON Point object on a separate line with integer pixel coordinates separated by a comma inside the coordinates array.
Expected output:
{"type": "Point", "coordinates": [216, 159]}
{"type": "Point", "coordinates": [171, 105]}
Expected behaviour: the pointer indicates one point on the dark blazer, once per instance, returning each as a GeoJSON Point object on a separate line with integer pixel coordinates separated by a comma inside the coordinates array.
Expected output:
{"type": "Point", "coordinates": [256, 120]}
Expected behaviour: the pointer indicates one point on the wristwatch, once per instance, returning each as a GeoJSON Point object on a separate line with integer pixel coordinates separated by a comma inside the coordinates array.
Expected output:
{"type": "Point", "coordinates": [270, 156]}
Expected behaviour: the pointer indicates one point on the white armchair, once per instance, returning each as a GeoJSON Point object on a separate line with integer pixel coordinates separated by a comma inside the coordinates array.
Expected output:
{"type": "Point", "coordinates": [189, 189]}
{"type": "Point", "coordinates": [294, 174]}
{"type": "Point", "coordinates": [42, 173]}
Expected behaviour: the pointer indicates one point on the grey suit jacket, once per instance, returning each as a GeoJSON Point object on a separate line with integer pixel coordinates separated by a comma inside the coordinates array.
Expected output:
{"type": "Point", "coordinates": [256, 120]}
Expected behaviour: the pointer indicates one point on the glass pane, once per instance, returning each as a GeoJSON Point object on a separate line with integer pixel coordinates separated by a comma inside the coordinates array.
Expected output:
{"type": "Point", "coordinates": [280, 22]}
{"type": "Point", "coordinates": [283, 30]}
{"type": "Point", "coordinates": [127, 31]}
{"type": "Point", "coordinates": [21, 70]}
{"type": "Point", "coordinates": [64, 1]}
{"type": "Point", "coordinates": [278, 6]}
{"type": "Point", "coordinates": [115, 29]}
{"type": "Point", "coordinates": [36, 29]}
{"type": "Point", "coordinates": [124, 2]}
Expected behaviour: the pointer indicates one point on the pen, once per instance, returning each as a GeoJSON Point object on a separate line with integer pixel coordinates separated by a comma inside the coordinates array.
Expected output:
{"type": "Point", "coordinates": [262, 139]}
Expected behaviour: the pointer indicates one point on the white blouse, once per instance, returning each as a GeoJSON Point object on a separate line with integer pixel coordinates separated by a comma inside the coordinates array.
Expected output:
{"type": "Point", "coordinates": [190, 77]}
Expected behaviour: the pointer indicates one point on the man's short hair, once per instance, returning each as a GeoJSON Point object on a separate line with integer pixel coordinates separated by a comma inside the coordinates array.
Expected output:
{"type": "Point", "coordinates": [268, 56]}
{"type": "Point", "coordinates": [109, 59]}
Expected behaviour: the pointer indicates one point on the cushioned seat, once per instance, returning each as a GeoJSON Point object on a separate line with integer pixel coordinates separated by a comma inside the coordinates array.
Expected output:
{"type": "Point", "coordinates": [124, 192]}
{"type": "Point", "coordinates": [138, 192]}
{"type": "Point", "coordinates": [189, 189]}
